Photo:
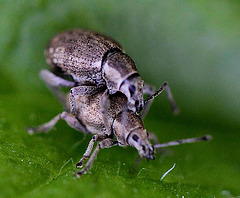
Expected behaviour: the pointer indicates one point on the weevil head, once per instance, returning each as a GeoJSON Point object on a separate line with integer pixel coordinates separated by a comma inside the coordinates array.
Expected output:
{"type": "Point", "coordinates": [138, 139]}
{"type": "Point", "coordinates": [129, 130]}
{"type": "Point", "coordinates": [132, 87]}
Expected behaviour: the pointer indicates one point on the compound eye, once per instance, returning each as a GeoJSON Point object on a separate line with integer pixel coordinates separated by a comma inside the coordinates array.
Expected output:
{"type": "Point", "coordinates": [135, 138]}
{"type": "Point", "coordinates": [132, 90]}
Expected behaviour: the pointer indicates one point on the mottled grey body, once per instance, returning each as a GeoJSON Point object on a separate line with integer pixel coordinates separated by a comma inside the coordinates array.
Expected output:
{"type": "Point", "coordinates": [106, 92]}
{"type": "Point", "coordinates": [90, 58]}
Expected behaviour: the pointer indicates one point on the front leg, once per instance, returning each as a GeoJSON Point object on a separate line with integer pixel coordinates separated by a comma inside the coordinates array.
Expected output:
{"type": "Point", "coordinates": [147, 90]}
{"type": "Point", "coordinates": [106, 143]}
{"type": "Point", "coordinates": [165, 87]}
{"type": "Point", "coordinates": [86, 155]}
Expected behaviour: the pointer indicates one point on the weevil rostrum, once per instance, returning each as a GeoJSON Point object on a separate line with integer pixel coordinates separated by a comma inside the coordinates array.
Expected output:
{"type": "Point", "coordinates": [126, 126]}
{"type": "Point", "coordinates": [106, 94]}
{"type": "Point", "coordinates": [89, 58]}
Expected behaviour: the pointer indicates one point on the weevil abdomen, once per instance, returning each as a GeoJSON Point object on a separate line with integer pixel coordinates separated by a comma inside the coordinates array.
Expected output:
{"type": "Point", "coordinates": [79, 53]}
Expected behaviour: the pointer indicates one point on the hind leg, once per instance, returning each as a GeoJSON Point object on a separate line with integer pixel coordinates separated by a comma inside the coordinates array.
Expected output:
{"type": "Point", "coordinates": [54, 83]}
{"type": "Point", "coordinates": [71, 120]}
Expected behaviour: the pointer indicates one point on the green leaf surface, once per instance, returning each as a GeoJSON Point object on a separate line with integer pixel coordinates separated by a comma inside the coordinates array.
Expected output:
{"type": "Point", "coordinates": [194, 45]}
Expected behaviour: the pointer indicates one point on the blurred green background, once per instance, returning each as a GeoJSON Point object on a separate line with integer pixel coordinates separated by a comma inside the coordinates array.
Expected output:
{"type": "Point", "coordinates": [194, 45]}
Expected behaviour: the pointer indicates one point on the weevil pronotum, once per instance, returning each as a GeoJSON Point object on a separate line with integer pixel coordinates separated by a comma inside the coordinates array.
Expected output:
{"type": "Point", "coordinates": [111, 122]}
{"type": "Point", "coordinates": [82, 58]}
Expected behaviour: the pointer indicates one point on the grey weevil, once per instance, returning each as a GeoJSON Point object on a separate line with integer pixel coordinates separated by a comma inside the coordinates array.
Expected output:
{"type": "Point", "coordinates": [82, 58]}
{"type": "Point", "coordinates": [126, 127]}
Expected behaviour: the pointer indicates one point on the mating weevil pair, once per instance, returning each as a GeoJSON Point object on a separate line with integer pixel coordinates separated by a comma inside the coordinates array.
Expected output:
{"type": "Point", "coordinates": [106, 93]}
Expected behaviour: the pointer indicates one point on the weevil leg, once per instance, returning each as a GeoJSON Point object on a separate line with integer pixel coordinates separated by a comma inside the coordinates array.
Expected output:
{"type": "Point", "coordinates": [98, 137]}
{"type": "Point", "coordinates": [54, 82]}
{"type": "Point", "coordinates": [89, 163]}
{"type": "Point", "coordinates": [105, 105]}
{"type": "Point", "coordinates": [82, 90]}
{"type": "Point", "coordinates": [71, 120]}
{"type": "Point", "coordinates": [149, 90]}
{"type": "Point", "coordinates": [165, 87]}
{"type": "Point", "coordinates": [153, 137]}
{"type": "Point", "coordinates": [106, 143]}
{"type": "Point", "coordinates": [86, 154]}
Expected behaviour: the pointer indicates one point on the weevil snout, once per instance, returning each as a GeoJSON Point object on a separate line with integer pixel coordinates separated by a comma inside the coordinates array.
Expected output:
{"type": "Point", "coordinates": [139, 140]}
{"type": "Point", "coordinates": [132, 87]}
{"type": "Point", "coordinates": [150, 154]}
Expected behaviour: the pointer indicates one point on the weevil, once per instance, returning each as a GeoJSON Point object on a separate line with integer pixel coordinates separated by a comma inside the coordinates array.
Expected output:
{"type": "Point", "coordinates": [82, 58]}
{"type": "Point", "coordinates": [125, 126]}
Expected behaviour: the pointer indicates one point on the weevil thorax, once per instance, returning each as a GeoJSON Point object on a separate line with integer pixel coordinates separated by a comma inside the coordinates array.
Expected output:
{"type": "Point", "coordinates": [129, 130]}
{"type": "Point", "coordinates": [120, 73]}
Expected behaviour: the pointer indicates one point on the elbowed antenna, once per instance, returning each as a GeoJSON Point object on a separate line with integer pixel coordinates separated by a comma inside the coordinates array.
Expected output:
{"type": "Point", "coordinates": [184, 141]}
